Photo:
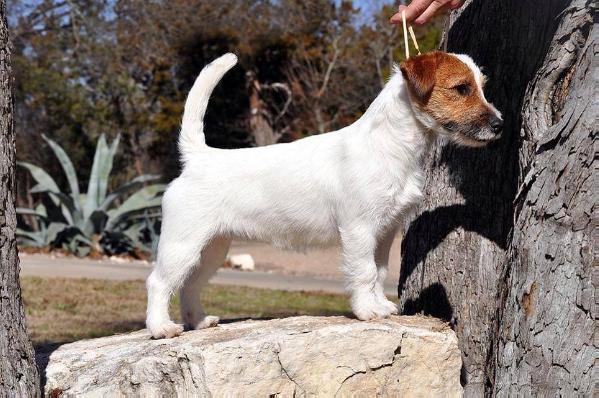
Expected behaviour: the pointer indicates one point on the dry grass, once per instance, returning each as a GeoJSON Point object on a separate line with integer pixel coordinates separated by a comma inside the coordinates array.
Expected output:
{"type": "Point", "coordinates": [64, 310]}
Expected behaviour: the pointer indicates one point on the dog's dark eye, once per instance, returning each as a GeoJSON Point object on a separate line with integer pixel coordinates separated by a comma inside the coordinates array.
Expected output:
{"type": "Point", "coordinates": [462, 89]}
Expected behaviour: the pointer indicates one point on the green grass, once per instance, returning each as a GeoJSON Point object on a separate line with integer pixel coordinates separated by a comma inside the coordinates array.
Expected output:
{"type": "Point", "coordinates": [65, 310]}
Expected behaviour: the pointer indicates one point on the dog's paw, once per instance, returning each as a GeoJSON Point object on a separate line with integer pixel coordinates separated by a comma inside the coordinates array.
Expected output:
{"type": "Point", "coordinates": [370, 308]}
{"type": "Point", "coordinates": [208, 322]}
{"type": "Point", "coordinates": [370, 314]}
{"type": "Point", "coordinates": [166, 330]}
{"type": "Point", "coordinates": [200, 321]}
{"type": "Point", "coordinates": [390, 306]}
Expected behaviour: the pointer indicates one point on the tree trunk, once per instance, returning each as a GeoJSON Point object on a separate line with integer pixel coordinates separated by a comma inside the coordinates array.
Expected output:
{"type": "Point", "coordinates": [260, 127]}
{"type": "Point", "coordinates": [18, 373]}
{"type": "Point", "coordinates": [455, 264]}
{"type": "Point", "coordinates": [547, 313]}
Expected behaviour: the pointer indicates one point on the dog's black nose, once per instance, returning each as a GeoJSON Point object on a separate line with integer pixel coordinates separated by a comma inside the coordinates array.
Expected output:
{"type": "Point", "coordinates": [496, 123]}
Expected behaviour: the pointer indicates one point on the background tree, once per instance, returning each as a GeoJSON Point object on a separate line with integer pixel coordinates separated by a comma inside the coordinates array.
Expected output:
{"type": "Point", "coordinates": [503, 247]}
{"type": "Point", "coordinates": [18, 373]}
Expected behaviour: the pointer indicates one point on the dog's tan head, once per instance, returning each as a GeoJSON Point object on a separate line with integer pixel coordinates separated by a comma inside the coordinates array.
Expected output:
{"type": "Point", "coordinates": [446, 92]}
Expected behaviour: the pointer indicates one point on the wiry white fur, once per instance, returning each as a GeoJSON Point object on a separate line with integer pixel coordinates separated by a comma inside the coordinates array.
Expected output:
{"type": "Point", "coordinates": [353, 186]}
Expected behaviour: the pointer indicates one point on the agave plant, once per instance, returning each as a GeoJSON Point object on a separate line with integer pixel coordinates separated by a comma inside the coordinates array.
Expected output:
{"type": "Point", "coordinates": [90, 216]}
{"type": "Point", "coordinates": [46, 232]}
{"type": "Point", "coordinates": [144, 231]}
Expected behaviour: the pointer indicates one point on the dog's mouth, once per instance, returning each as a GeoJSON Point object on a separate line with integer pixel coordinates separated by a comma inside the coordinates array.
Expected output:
{"type": "Point", "coordinates": [470, 135]}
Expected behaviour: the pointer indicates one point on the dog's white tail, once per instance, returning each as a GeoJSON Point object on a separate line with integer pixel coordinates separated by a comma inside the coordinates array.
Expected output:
{"type": "Point", "coordinates": [192, 138]}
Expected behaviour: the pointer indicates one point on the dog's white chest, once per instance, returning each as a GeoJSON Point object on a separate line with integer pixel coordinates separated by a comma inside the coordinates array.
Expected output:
{"type": "Point", "coordinates": [403, 198]}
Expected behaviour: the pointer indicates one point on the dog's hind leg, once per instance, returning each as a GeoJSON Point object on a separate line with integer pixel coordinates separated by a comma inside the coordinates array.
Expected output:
{"type": "Point", "coordinates": [212, 258]}
{"type": "Point", "coordinates": [383, 251]}
{"type": "Point", "coordinates": [176, 260]}
{"type": "Point", "coordinates": [358, 264]}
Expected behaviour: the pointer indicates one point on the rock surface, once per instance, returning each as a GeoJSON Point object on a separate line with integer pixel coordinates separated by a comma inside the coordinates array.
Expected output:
{"type": "Point", "coordinates": [303, 356]}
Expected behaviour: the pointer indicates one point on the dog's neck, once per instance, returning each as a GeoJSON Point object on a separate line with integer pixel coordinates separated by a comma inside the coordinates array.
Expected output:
{"type": "Point", "coordinates": [393, 127]}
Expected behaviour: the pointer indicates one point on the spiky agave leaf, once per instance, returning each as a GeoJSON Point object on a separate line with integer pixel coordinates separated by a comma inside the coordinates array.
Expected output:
{"type": "Point", "coordinates": [30, 238]}
{"type": "Point", "coordinates": [42, 237]}
{"type": "Point", "coordinates": [52, 231]}
{"type": "Point", "coordinates": [41, 215]}
{"type": "Point", "coordinates": [142, 232]}
{"type": "Point", "coordinates": [70, 211]}
{"type": "Point", "coordinates": [98, 219]}
{"type": "Point", "coordinates": [77, 246]}
{"type": "Point", "coordinates": [144, 199]}
{"type": "Point", "coordinates": [105, 171]}
{"type": "Point", "coordinates": [33, 238]}
{"type": "Point", "coordinates": [45, 183]}
{"type": "Point", "coordinates": [41, 209]}
{"type": "Point", "coordinates": [127, 187]}
{"type": "Point", "coordinates": [91, 198]}
{"type": "Point", "coordinates": [134, 234]}
{"type": "Point", "coordinates": [98, 180]}
{"type": "Point", "coordinates": [67, 167]}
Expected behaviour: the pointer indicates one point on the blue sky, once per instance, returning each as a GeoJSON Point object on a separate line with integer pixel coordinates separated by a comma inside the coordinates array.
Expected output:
{"type": "Point", "coordinates": [367, 7]}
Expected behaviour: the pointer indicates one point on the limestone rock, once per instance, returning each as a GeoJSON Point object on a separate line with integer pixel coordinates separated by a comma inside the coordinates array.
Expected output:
{"type": "Point", "coordinates": [302, 356]}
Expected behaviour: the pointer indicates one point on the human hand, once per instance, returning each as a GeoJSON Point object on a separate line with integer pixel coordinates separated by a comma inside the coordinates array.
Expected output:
{"type": "Point", "coordinates": [420, 12]}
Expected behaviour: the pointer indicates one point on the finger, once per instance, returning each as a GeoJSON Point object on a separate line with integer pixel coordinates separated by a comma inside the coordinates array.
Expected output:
{"type": "Point", "coordinates": [456, 4]}
{"type": "Point", "coordinates": [436, 8]}
{"type": "Point", "coordinates": [396, 18]}
{"type": "Point", "coordinates": [429, 13]}
{"type": "Point", "coordinates": [414, 10]}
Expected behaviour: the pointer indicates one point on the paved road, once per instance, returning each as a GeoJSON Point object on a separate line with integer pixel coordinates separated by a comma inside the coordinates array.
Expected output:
{"type": "Point", "coordinates": [66, 267]}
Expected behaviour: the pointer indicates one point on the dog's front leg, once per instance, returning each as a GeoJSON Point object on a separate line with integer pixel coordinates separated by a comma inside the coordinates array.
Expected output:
{"type": "Point", "coordinates": [358, 264]}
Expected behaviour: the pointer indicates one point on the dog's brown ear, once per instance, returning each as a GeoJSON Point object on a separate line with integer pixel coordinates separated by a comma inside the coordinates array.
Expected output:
{"type": "Point", "coordinates": [419, 73]}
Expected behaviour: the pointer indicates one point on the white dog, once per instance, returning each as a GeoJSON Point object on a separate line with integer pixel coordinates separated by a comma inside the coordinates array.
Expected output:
{"type": "Point", "coordinates": [351, 187]}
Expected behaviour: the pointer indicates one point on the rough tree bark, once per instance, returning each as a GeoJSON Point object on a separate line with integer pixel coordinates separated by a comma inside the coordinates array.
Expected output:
{"type": "Point", "coordinates": [260, 128]}
{"type": "Point", "coordinates": [455, 264]}
{"type": "Point", "coordinates": [547, 313]}
{"type": "Point", "coordinates": [18, 373]}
